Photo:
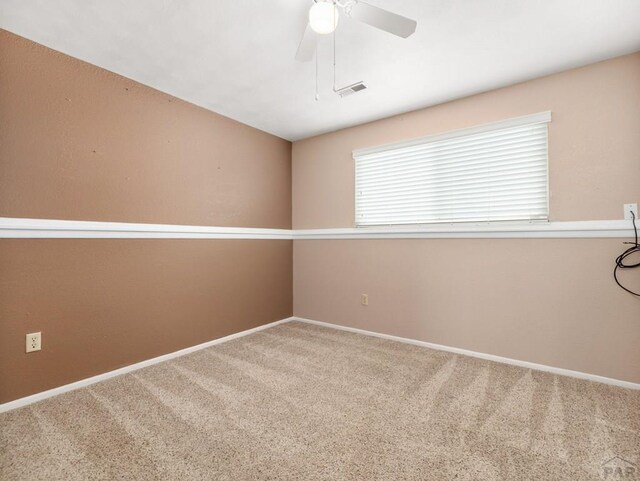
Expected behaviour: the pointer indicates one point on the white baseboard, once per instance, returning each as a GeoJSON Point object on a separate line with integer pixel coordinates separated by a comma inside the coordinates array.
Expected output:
{"type": "Point", "coordinates": [25, 401]}
{"type": "Point", "coordinates": [18, 403]}
{"type": "Point", "coordinates": [480, 355]}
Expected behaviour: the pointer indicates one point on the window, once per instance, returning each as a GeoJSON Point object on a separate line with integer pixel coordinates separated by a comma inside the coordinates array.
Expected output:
{"type": "Point", "coordinates": [496, 172]}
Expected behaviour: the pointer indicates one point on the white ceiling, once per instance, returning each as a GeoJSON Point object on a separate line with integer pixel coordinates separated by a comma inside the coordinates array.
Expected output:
{"type": "Point", "coordinates": [236, 57]}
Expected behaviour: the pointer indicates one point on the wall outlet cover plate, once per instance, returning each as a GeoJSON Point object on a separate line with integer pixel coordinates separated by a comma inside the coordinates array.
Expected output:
{"type": "Point", "coordinates": [34, 341]}
{"type": "Point", "coordinates": [628, 208]}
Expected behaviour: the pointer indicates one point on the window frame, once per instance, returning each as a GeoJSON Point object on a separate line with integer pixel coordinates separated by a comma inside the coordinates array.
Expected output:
{"type": "Point", "coordinates": [532, 119]}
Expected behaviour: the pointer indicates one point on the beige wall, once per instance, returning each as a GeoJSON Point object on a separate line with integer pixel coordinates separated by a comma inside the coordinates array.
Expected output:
{"type": "Point", "coordinates": [549, 301]}
{"type": "Point", "coordinates": [78, 142]}
{"type": "Point", "coordinates": [594, 143]}
{"type": "Point", "coordinates": [102, 304]}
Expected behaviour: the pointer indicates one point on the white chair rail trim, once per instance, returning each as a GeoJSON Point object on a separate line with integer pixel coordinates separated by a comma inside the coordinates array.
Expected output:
{"type": "Point", "coordinates": [17, 228]}
{"type": "Point", "coordinates": [48, 228]}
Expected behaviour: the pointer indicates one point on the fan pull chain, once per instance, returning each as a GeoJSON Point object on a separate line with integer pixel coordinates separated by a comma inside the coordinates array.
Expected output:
{"type": "Point", "coordinates": [317, 94]}
{"type": "Point", "coordinates": [334, 52]}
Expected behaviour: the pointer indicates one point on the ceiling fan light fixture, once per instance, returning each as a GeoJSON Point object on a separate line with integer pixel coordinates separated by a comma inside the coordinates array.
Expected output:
{"type": "Point", "coordinates": [323, 17]}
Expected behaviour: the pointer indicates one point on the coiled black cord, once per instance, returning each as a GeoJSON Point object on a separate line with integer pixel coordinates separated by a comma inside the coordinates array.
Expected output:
{"type": "Point", "coordinates": [634, 249]}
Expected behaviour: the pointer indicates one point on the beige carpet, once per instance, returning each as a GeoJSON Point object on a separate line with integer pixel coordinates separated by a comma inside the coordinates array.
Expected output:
{"type": "Point", "coordinates": [300, 402]}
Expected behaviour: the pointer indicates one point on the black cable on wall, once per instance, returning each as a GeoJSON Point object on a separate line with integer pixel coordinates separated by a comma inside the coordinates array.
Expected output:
{"type": "Point", "coordinates": [620, 260]}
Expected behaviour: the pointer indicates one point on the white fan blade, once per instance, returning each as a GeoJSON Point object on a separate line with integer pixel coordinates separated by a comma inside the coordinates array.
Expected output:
{"type": "Point", "coordinates": [307, 46]}
{"type": "Point", "coordinates": [380, 18]}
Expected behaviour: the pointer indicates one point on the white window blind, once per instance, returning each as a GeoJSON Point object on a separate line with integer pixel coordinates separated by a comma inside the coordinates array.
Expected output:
{"type": "Point", "coordinates": [490, 173]}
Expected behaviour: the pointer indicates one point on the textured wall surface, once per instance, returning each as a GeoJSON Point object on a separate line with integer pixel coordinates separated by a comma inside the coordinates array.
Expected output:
{"type": "Point", "coordinates": [78, 142]}
{"type": "Point", "coordinates": [102, 304]}
{"type": "Point", "coordinates": [594, 146]}
{"type": "Point", "coordinates": [549, 301]}
{"type": "Point", "coordinates": [81, 143]}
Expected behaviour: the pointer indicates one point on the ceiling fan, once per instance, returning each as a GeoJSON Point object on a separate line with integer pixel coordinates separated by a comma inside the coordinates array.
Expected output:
{"type": "Point", "coordinates": [323, 19]}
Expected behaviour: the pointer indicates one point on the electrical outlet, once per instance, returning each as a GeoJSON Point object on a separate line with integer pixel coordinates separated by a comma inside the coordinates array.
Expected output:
{"type": "Point", "coordinates": [628, 208]}
{"type": "Point", "coordinates": [364, 299]}
{"type": "Point", "coordinates": [34, 341]}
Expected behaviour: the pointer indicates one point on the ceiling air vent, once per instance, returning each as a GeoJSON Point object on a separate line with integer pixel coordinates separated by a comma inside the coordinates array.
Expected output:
{"type": "Point", "coordinates": [351, 89]}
